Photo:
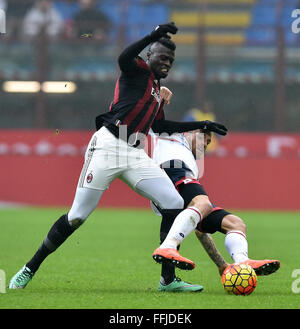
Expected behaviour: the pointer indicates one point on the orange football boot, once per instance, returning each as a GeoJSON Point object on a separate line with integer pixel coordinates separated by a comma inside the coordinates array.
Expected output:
{"type": "Point", "coordinates": [172, 256]}
{"type": "Point", "coordinates": [263, 267]}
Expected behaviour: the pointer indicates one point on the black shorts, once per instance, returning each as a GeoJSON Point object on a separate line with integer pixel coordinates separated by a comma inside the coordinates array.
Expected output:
{"type": "Point", "coordinates": [188, 188]}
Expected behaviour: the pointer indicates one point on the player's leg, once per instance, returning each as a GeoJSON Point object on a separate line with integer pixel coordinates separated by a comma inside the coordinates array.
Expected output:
{"type": "Point", "coordinates": [188, 219]}
{"type": "Point", "coordinates": [234, 228]}
{"type": "Point", "coordinates": [167, 269]}
{"type": "Point", "coordinates": [169, 281]}
{"type": "Point", "coordinates": [94, 179]}
{"type": "Point", "coordinates": [237, 246]}
{"type": "Point", "coordinates": [209, 246]}
{"type": "Point", "coordinates": [150, 181]}
{"type": "Point", "coordinates": [86, 200]}
{"type": "Point", "coordinates": [179, 173]}
{"type": "Point", "coordinates": [235, 240]}
{"type": "Point", "coordinates": [194, 194]}
{"type": "Point", "coordinates": [162, 192]}
{"type": "Point", "coordinates": [153, 183]}
{"type": "Point", "coordinates": [88, 193]}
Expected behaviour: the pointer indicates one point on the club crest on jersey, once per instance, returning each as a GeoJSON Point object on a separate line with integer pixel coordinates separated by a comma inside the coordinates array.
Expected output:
{"type": "Point", "coordinates": [89, 177]}
{"type": "Point", "coordinates": [155, 94]}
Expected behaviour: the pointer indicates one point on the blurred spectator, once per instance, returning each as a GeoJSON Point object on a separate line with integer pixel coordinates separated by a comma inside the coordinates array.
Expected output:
{"type": "Point", "coordinates": [15, 13]}
{"type": "Point", "coordinates": [3, 4]}
{"type": "Point", "coordinates": [42, 15]}
{"type": "Point", "coordinates": [204, 112]}
{"type": "Point", "coordinates": [90, 21]}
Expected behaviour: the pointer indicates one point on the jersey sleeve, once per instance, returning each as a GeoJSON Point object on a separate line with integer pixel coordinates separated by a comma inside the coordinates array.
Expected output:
{"type": "Point", "coordinates": [129, 59]}
{"type": "Point", "coordinates": [160, 114]}
{"type": "Point", "coordinates": [159, 118]}
{"type": "Point", "coordinates": [161, 125]}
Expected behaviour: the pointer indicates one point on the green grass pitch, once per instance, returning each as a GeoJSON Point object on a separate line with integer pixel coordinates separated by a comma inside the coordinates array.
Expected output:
{"type": "Point", "coordinates": [107, 263]}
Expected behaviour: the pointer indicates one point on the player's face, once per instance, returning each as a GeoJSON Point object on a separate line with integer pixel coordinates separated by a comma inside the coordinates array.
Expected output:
{"type": "Point", "coordinates": [199, 143]}
{"type": "Point", "coordinates": [207, 140]}
{"type": "Point", "coordinates": [160, 60]}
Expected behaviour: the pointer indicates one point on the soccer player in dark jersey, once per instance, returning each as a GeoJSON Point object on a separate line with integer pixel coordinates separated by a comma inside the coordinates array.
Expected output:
{"type": "Point", "coordinates": [114, 152]}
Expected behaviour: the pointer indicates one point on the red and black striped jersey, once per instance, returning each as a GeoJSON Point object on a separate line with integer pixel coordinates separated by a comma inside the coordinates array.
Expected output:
{"type": "Point", "coordinates": [136, 102]}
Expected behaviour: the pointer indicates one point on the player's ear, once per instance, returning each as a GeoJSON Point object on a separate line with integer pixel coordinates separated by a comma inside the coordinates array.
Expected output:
{"type": "Point", "coordinates": [149, 50]}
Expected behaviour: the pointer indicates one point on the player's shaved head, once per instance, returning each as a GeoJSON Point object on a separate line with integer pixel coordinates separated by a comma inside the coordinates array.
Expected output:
{"type": "Point", "coordinates": [161, 56]}
{"type": "Point", "coordinates": [166, 42]}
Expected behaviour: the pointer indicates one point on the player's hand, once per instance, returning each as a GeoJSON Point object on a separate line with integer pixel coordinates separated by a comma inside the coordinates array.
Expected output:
{"type": "Point", "coordinates": [165, 95]}
{"type": "Point", "coordinates": [216, 127]}
{"type": "Point", "coordinates": [162, 30]}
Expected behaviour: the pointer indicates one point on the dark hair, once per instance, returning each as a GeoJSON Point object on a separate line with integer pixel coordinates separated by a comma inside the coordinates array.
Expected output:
{"type": "Point", "coordinates": [165, 41]}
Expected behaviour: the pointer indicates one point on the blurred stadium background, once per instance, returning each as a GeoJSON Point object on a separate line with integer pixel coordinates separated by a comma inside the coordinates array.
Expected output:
{"type": "Point", "coordinates": [237, 62]}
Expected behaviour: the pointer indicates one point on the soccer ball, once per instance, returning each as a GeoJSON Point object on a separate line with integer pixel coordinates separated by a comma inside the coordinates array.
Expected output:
{"type": "Point", "coordinates": [239, 279]}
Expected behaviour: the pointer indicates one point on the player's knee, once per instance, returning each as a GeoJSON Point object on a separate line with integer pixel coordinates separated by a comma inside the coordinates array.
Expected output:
{"type": "Point", "coordinates": [233, 222]}
{"type": "Point", "coordinates": [76, 222]}
{"type": "Point", "coordinates": [202, 203]}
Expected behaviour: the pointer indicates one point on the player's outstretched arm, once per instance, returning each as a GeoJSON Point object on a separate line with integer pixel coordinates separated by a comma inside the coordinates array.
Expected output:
{"type": "Point", "coordinates": [161, 125]}
{"type": "Point", "coordinates": [171, 127]}
{"type": "Point", "coordinates": [128, 56]}
{"type": "Point", "coordinates": [212, 251]}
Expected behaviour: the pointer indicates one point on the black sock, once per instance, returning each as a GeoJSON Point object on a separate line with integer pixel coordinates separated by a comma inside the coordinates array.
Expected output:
{"type": "Point", "coordinates": [58, 233]}
{"type": "Point", "coordinates": [168, 216]}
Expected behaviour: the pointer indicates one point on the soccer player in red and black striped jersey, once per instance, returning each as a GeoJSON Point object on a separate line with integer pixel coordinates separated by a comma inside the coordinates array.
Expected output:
{"type": "Point", "coordinates": [136, 101]}
{"type": "Point", "coordinates": [113, 153]}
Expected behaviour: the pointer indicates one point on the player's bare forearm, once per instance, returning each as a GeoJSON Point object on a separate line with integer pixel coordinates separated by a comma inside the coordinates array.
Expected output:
{"type": "Point", "coordinates": [212, 251]}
